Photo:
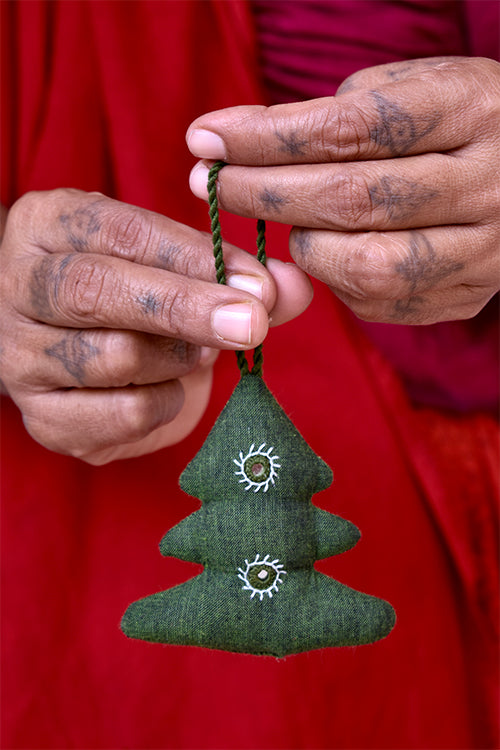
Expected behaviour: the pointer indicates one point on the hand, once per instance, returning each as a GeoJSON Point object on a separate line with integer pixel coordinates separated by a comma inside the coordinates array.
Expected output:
{"type": "Point", "coordinates": [393, 185]}
{"type": "Point", "coordinates": [110, 321]}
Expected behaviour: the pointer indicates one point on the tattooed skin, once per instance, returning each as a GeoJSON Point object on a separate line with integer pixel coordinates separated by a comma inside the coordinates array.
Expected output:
{"type": "Point", "coordinates": [400, 197]}
{"type": "Point", "coordinates": [290, 144]}
{"type": "Point", "coordinates": [149, 303]}
{"type": "Point", "coordinates": [45, 276]}
{"type": "Point", "coordinates": [302, 240]}
{"type": "Point", "coordinates": [80, 225]}
{"type": "Point", "coordinates": [347, 86]}
{"type": "Point", "coordinates": [407, 309]}
{"type": "Point", "coordinates": [396, 74]}
{"type": "Point", "coordinates": [183, 351]}
{"type": "Point", "coordinates": [74, 353]}
{"type": "Point", "coordinates": [272, 200]}
{"type": "Point", "coordinates": [423, 269]}
{"type": "Point", "coordinates": [167, 252]}
{"type": "Point", "coordinates": [398, 129]}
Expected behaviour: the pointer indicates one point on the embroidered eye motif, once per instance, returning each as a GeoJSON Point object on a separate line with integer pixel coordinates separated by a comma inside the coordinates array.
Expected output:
{"type": "Point", "coordinates": [261, 576]}
{"type": "Point", "coordinates": [257, 468]}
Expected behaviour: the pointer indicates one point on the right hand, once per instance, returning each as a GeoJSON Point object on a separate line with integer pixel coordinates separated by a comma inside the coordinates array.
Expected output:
{"type": "Point", "coordinates": [110, 321]}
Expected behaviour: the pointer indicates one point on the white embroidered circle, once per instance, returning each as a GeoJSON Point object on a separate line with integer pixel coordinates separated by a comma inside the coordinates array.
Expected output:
{"type": "Point", "coordinates": [257, 468]}
{"type": "Point", "coordinates": [261, 576]}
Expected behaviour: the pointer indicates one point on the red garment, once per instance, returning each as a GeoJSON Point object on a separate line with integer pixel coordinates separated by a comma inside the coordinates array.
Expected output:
{"type": "Point", "coordinates": [101, 95]}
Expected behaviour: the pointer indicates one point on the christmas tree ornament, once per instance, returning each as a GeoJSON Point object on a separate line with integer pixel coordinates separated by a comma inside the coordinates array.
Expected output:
{"type": "Point", "coordinates": [257, 534]}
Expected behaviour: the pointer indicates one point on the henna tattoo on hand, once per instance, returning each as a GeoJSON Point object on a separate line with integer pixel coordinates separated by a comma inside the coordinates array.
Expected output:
{"type": "Point", "coordinates": [398, 129]}
{"type": "Point", "coordinates": [290, 143]}
{"type": "Point", "coordinates": [80, 224]}
{"type": "Point", "coordinates": [149, 303]}
{"type": "Point", "coordinates": [74, 353]}
{"type": "Point", "coordinates": [272, 200]}
{"type": "Point", "coordinates": [400, 197]}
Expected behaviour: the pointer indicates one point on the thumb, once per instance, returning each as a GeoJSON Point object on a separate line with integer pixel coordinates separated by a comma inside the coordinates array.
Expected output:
{"type": "Point", "coordinates": [294, 291]}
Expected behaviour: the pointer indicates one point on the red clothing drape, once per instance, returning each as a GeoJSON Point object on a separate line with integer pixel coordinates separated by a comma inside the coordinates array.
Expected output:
{"type": "Point", "coordinates": [98, 95]}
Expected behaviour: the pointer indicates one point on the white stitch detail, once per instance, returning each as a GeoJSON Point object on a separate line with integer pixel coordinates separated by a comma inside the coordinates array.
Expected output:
{"type": "Point", "coordinates": [271, 466]}
{"type": "Point", "coordinates": [272, 569]}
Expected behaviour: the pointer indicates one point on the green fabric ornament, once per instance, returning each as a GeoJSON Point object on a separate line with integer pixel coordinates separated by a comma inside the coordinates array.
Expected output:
{"type": "Point", "coordinates": [258, 536]}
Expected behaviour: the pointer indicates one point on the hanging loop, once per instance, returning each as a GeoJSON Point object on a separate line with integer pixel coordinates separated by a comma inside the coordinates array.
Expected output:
{"type": "Point", "coordinates": [220, 270]}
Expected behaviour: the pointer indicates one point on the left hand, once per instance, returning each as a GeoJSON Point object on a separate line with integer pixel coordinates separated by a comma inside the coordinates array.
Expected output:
{"type": "Point", "coordinates": [392, 186]}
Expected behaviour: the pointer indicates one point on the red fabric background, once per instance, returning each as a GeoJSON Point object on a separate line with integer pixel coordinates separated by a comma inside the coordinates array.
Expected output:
{"type": "Point", "coordinates": [99, 98]}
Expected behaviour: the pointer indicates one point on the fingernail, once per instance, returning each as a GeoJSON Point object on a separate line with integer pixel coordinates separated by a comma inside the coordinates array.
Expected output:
{"type": "Point", "coordinates": [198, 181]}
{"type": "Point", "coordinates": [251, 284]}
{"type": "Point", "coordinates": [206, 145]}
{"type": "Point", "coordinates": [233, 323]}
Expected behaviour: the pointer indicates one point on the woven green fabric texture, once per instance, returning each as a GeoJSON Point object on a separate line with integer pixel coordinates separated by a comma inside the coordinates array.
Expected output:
{"type": "Point", "coordinates": [258, 535]}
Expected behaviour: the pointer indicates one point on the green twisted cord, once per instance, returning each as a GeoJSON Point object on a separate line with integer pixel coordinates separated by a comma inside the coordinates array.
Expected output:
{"type": "Point", "coordinates": [213, 210]}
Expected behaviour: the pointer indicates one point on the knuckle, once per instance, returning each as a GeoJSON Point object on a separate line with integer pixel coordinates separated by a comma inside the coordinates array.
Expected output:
{"type": "Point", "coordinates": [62, 195]}
{"type": "Point", "coordinates": [176, 308]}
{"type": "Point", "coordinates": [31, 209]}
{"type": "Point", "coordinates": [348, 199]}
{"type": "Point", "coordinates": [135, 415]}
{"type": "Point", "coordinates": [20, 216]}
{"type": "Point", "coordinates": [44, 431]}
{"type": "Point", "coordinates": [347, 132]}
{"type": "Point", "coordinates": [126, 232]}
{"type": "Point", "coordinates": [88, 288]}
{"type": "Point", "coordinates": [123, 359]}
{"type": "Point", "coordinates": [143, 409]}
{"type": "Point", "coordinates": [369, 274]}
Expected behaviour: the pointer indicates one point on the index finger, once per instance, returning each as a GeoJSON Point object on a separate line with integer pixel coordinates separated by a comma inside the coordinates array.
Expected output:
{"type": "Point", "coordinates": [65, 220]}
{"type": "Point", "coordinates": [412, 116]}
{"type": "Point", "coordinates": [92, 291]}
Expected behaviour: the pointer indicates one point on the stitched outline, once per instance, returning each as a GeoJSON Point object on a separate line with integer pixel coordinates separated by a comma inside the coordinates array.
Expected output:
{"type": "Point", "coordinates": [269, 467]}
{"type": "Point", "coordinates": [266, 567]}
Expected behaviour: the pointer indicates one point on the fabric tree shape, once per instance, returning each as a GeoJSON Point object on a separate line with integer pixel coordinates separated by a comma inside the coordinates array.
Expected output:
{"type": "Point", "coordinates": [258, 535]}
